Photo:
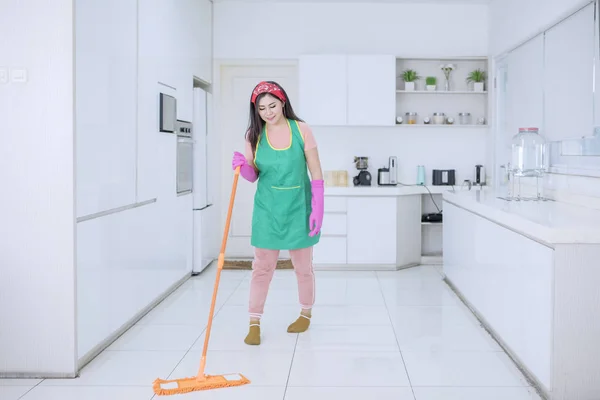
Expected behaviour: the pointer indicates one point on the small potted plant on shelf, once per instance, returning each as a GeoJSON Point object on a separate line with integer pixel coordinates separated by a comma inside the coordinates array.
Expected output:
{"type": "Point", "coordinates": [477, 77]}
{"type": "Point", "coordinates": [431, 81]}
{"type": "Point", "coordinates": [410, 76]}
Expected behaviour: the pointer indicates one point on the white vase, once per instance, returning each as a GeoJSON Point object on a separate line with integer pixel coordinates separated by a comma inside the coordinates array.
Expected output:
{"type": "Point", "coordinates": [478, 87]}
{"type": "Point", "coordinates": [409, 86]}
{"type": "Point", "coordinates": [431, 88]}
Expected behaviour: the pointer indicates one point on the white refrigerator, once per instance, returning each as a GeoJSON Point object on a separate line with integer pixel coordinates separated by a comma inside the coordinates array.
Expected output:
{"type": "Point", "coordinates": [204, 213]}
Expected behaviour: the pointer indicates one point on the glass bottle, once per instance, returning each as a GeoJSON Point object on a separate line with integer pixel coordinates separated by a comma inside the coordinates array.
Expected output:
{"type": "Point", "coordinates": [529, 153]}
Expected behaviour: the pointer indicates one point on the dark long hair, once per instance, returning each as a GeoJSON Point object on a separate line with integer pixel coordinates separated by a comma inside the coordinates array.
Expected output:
{"type": "Point", "coordinates": [256, 123]}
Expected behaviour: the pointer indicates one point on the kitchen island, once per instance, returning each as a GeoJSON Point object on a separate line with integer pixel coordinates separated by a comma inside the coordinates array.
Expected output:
{"type": "Point", "coordinates": [375, 227]}
{"type": "Point", "coordinates": [530, 271]}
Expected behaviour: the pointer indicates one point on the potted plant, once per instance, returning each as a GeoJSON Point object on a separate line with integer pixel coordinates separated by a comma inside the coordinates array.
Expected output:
{"type": "Point", "coordinates": [477, 77]}
{"type": "Point", "coordinates": [431, 81]}
{"type": "Point", "coordinates": [410, 76]}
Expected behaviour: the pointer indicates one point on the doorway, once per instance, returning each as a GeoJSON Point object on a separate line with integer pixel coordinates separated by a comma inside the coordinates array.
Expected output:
{"type": "Point", "coordinates": [236, 85]}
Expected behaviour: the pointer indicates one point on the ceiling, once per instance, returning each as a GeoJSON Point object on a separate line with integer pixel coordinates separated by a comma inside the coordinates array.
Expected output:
{"type": "Point", "coordinates": [362, 1]}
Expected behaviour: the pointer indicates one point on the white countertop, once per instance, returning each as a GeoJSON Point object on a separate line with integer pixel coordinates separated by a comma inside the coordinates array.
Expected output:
{"type": "Point", "coordinates": [550, 222]}
{"type": "Point", "coordinates": [375, 190]}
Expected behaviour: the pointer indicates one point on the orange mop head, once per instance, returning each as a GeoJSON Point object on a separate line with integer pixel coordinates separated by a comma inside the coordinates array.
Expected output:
{"type": "Point", "coordinates": [179, 386]}
{"type": "Point", "coordinates": [201, 381]}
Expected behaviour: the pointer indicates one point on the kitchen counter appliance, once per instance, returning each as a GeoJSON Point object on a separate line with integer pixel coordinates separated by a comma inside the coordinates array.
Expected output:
{"type": "Point", "coordinates": [479, 175]}
{"type": "Point", "coordinates": [388, 176]}
{"type": "Point", "coordinates": [364, 177]}
{"type": "Point", "coordinates": [444, 177]}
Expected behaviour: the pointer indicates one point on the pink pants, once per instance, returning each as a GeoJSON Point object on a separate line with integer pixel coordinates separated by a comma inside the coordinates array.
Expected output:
{"type": "Point", "coordinates": [263, 268]}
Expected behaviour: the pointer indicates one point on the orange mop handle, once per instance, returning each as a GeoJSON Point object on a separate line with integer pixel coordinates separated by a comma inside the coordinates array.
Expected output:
{"type": "Point", "coordinates": [220, 263]}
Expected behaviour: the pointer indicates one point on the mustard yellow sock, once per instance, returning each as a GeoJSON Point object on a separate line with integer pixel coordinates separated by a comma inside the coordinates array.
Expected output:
{"type": "Point", "coordinates": [253, 337]}
{"type": "Point", "coordinates": [301, 324]}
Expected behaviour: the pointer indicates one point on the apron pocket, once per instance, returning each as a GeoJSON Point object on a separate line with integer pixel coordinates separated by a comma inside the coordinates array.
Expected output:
{"type": "Point", "coordinates": [285, 187]}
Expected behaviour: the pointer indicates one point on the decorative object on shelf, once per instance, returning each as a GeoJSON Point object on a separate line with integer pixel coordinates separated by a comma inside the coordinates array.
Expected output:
{"type": "Point", "coordinates": [447, 69]}
{"type": "Point", "coordinates": [439, 118]}
{"type": "Point", "coordinates": [430, 83]}
{"type": "Point", "coordinates": [450, 120]}
{"type": "Point", "coordinates": [399, 120]}
{"type": "Point", "coordinates": [481, 121]}
{"type": "Point", "coordinates": [410, 77]}
{"type": "Point", "coordinates": [420, 175]}
{"type": "Point", "coordinates": [477, 78]}
{"type": "Point", "coordinates": [464, 118]}
{"type": "Point", "coordinates": [426, 120]}
{"type": "Point", "coordinates": [411, 118]}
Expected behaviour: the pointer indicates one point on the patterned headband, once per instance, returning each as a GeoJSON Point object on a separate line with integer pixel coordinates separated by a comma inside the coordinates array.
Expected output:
{"type": "Point", "coordinates": [266, 87]}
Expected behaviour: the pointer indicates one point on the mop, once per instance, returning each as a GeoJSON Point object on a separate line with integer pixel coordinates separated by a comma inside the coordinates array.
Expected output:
{"type": "Point", "coordinates": [202, 381]}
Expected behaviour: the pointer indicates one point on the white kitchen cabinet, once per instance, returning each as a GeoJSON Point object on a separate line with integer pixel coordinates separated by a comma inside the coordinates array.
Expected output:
{"type": "Point", "coordinates": [508, 278]}
{"type": "Point", "coordinates": [371, 90]}
{"type": "Point", "coordinates": [371, 237]}
{"type": "Point", "coordinates": [330, 250]}
{"type": "Point", "coordinates": [351, 90]}
{"type": "Point", "coordinates": [323, 89]}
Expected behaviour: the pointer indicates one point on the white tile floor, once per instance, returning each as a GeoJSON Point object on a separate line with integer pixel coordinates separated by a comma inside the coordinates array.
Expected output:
{"type": "Point", "coordinates": [392, 335]}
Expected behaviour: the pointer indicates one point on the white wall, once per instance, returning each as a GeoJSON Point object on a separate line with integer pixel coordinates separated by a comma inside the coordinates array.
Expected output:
{"type": "Point", "coordinates": [511, 23]}
{"type": "Point", "coordinates": [37, 234]}
{"type": "Point", "coordinates": [405, 30]}
{"type": "Point", "coordinates": [285, 30]}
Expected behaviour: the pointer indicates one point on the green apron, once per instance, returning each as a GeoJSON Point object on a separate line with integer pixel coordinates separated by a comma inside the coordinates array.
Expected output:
{"type": "Point", "coordinates": [282, 202]}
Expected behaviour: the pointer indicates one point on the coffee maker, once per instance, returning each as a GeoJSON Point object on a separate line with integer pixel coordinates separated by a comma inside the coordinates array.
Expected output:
{"type": "Point", "coordinates": [388, 176]}
{"type": "Point", "coordinates": [364, 177]}
{"type": "Point", "coordinates": [479, 175]}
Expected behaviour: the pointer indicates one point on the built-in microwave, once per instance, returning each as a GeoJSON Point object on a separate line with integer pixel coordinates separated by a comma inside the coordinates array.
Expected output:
{"type": "Point", "coordinates": [185, 157]}
{"type": "Point", "coordinates": [167, 113]}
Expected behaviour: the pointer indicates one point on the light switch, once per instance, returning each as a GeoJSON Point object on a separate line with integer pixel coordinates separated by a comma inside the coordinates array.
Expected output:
{"type": "Point", "coordinates": [3, 75]}
{"type": "Point", "coordinates": [19, 75]}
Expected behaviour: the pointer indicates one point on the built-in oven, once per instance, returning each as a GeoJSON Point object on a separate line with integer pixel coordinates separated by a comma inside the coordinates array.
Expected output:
{"type": "Point", "coordinates": [185, 157]}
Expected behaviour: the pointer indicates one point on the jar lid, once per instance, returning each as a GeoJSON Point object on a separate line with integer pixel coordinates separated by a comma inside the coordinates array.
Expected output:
{"type": "Point", "coordinates": [464, 114]}
{"type": "Point", "coordinates": [411, 113]}
{"type": "Point", "coordinates": [528, 129]}
{"type": "Point", "coordinates": [439, 114]}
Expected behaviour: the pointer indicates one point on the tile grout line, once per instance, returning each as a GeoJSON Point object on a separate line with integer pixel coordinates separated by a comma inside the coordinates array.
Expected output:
{"type": "Point", "coordinates": [203, 331]}
{"type": "Point", "coordinates": [395, 336]}
{"type": "Point", "coordinates": [30, 389]}
{"type": "Point", "coordinates": [287, 382]}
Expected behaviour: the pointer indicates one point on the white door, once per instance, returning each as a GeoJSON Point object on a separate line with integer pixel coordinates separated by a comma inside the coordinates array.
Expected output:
{"type": "Point", "coordinates": [236, 85]}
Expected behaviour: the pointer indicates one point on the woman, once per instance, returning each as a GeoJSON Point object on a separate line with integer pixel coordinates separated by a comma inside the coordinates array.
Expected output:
{"type": "Point", "coordinates": [288, 206]}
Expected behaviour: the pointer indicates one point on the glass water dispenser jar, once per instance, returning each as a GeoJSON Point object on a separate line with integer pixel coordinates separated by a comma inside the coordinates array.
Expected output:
{"type": "Point", "coordinates": [529, 153]}
{"type": "Point", "coordinates": [529, 159]}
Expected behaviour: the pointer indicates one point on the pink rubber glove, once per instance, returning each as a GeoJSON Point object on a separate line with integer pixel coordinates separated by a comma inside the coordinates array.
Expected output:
{"type": "Point", "coordinates": [246, 170]}
{"type": "Point", "coordinates": [315, 220]}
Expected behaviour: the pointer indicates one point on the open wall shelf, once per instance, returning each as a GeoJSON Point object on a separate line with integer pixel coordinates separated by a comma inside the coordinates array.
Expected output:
{"type": "Point", "coordinates": [460, 98]}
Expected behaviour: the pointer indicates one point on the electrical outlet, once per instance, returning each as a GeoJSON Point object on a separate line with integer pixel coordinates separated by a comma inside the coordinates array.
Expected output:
{"type": "Point", "coordinates": [19, 75]}
{"type": "Point", "coordinates": [3, 75]}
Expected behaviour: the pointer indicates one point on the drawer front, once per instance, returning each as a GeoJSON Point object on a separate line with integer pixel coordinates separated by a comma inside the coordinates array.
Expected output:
{"type": "Point", "coordinates": [334, 224]}
{"type": "Point", "coordinates": [330, 250]}
{"type": "Point", "coordinates": [335, 204]}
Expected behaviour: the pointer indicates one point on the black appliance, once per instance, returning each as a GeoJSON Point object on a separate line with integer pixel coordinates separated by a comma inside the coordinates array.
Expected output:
{"type": "Point", "coordinates": [443, 177]}
{"type": "Point", "coordinates": [362, 179]}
